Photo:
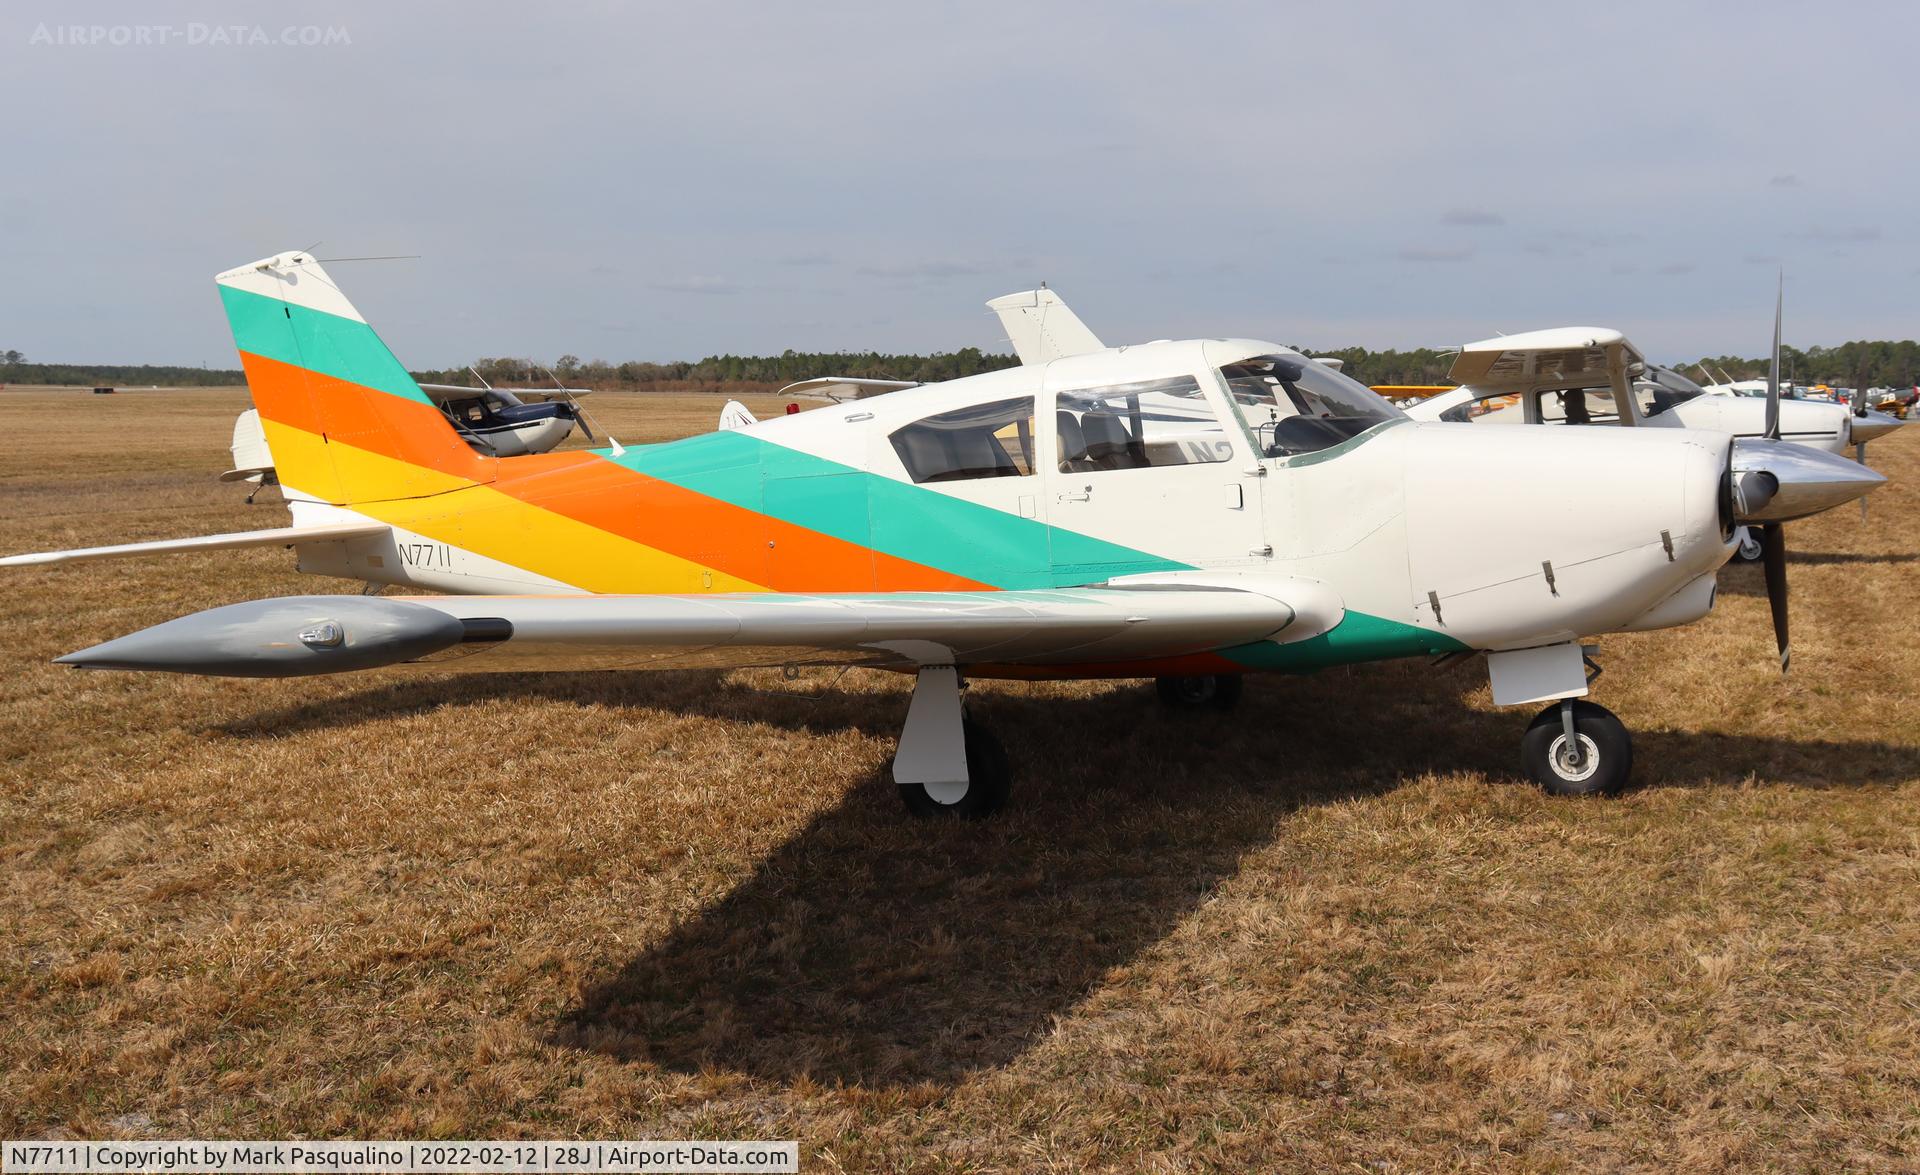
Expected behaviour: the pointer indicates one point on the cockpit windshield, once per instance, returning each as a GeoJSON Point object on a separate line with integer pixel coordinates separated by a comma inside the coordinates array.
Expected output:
{"type": "Point", "coordinates": [1293, 405]}
{"type": "Point", "coordinates": [1663, 387]}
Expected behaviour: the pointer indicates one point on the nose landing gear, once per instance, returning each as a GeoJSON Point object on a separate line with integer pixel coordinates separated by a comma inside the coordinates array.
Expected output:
{"type": "Point", "coordinates": [1577, 748]}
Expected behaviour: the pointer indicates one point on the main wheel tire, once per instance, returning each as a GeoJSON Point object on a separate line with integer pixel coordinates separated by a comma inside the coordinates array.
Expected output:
{"type": "Point", "coordinates": [1211, 691]}
{"type": "Point", "coordinates": [1606, 752]}
{"type": "Point", "coordinates": [989, 780]}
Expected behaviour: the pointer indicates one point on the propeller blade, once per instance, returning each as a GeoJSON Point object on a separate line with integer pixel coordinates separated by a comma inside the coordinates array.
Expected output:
{"type": "Point", "coordinates": [580, 416]}
{"type": "Point", "coordinates": [1773, 559]}
{"type": "Point", "coordinates": [1860, 455]}
{"type": "Point", "coordinates": [1773, 367]}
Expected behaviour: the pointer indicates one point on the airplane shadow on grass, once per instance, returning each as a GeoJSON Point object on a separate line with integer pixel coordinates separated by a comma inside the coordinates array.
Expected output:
{"type": "Point", "coordinates": [874, 949]}
{"type": "Point", "coordinates": [1745, 579]}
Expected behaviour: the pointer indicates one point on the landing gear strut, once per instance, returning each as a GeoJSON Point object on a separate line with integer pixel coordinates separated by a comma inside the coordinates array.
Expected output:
{"type": "Point", "coordinates": [1214, 691]}
{"type": "Point", "coordinates": [1578, 748]}
{"type": "Point", "coordinates": [1749, 549]}
{"type": "Point", "coordinates": [947, 764]}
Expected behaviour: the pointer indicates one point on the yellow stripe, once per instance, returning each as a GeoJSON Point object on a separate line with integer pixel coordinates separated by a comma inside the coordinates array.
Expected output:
{"type": "Point", "coordinates": [487, 522]}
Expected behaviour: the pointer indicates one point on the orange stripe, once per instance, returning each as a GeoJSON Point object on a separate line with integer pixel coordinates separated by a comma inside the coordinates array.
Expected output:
{"type": "Point", "coordinates": [718, 534]}
{"type": "Point", "coordinates": [587, 488]}
{"type": "Point", "coordinates": [405, 430]}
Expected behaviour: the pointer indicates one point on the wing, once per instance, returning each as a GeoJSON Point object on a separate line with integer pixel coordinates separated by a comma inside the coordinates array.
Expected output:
{"type": "Point", "coordinates": [547, 395]}
{"type": "Point", "coordinates": [303, 635]}
{"type": "Point", "coordinates": [284, 536]}
{"type": "Point", "coordinates": [441, 393]}
{"type": "Point", "coordinates": [1555, 359]}
{"type": "Point", "coordinates": [840, 388]}
{"type": "Point", "coordinates": [1041, 327]}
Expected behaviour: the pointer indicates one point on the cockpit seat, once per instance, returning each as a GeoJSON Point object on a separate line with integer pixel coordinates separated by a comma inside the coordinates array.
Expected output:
{"type": "Point", "coordinates": [1108, 446]}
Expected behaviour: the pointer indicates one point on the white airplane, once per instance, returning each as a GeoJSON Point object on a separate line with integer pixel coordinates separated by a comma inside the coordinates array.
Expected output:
{"type": "Point", "coordinates": [1580, 375]}
{"type": "Point", "coordinates": [511, 422]}
{"type": "Point", "coordinates": [1594, 375]}
{"type": "Point", "coordinates": [1191, 511]}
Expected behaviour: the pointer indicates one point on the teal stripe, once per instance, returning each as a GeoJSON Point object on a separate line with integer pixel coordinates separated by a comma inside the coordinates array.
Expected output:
{"type": "Point", "coordinates": [317, 341]}
{"type": "Point", "coordinates": [903, 520]}
{"type": "Point", "coordinates": [1358, 637]}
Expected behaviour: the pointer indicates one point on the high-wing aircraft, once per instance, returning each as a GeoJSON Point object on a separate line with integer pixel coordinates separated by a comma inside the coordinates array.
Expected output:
{"type": "Point", "coordinates": [1191, 511]}
{"type": "Point", "coordinates": [1581, 375]}
{"type": "Point", "coordinates": [1594, 375]}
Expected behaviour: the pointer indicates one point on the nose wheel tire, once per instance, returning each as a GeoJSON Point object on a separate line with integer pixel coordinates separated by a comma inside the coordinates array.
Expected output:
{"type": "Point", "coordinates": [1597, 761]}
{"type": "Point", "coordinates": [1213, 691]}
{"type": "Point", "coordinates": [1749, 549]}
{"type": "Point", "coordinates": [989, 780]}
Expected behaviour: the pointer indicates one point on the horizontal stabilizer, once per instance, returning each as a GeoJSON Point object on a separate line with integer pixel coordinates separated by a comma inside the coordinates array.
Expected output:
{"type": "Point", "coordinates": [284, 536]}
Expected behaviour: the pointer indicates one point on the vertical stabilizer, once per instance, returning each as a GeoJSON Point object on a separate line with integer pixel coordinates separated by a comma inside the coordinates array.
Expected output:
{"type": "Point", "coordinates": [345, 421]}
{"type": "Point", "coordinates": [1041, 327]}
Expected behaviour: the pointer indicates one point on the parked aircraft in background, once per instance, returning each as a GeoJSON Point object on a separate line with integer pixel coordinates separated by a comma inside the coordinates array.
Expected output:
{"type": "Point", "coordinates": [1594, 375]}
{"type": "Point", "coordinates": [1191, 511]}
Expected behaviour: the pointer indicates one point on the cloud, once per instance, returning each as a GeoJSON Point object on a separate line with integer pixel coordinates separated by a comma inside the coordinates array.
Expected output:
{"type": "Point", "coordinates": [1624, 268]}
{"type": "Point", "coordinates": [1784, 181]}
{"type": "Point", "coordinates": [1427, 253]}
{"type": "Point", "coordinates": [921, 270]}
{"type": "Point", "coordinates": [1675, 268]}
{"type": "Point", "coordinates": [807, 259]}
{"type": "Point", "coordinates": [1472, 218]}
{"type": "Point", "coordinates": [1856, 235]}
{"type": "Point", "coordinates": [1761, 259]}
{"type": "Point", "coordinates": [696, 285]}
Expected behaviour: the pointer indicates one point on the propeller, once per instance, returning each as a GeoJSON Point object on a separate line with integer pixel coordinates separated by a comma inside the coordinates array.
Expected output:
{"type": "Point", "coordinates": [574, 409]}
{"type": "Point", "coordinates": [1860, 410]}
{"type": "Point", "coordinates": [1773, 366]}
{"type": "Point", "coordinates": [1773, 560]}
{"type": "Point", "coordinates": [1773, 535]}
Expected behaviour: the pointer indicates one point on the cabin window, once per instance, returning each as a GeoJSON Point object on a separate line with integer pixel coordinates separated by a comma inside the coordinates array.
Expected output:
{"type": "Point", "coordinates": [1139, 426]}
{"type": "Point", "coordinates": [1578, 407]}
{"type": "Point", "coordinates": [1662, 389]}
{"type": "Point", "coordinates": [1293, 405]}
{"type": "Point", "coordinates": [984, 440]}
{"type": "Point", "coordinates": [1503, 408]}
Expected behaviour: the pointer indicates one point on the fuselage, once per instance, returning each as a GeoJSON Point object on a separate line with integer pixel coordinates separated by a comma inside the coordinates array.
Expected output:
{"type": "Point", "coordinates": [1154, 460]}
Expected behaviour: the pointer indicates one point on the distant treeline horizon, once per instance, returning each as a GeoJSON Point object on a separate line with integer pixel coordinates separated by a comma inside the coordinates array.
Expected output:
{"type": "Point", "coordinates": [1864, 363]}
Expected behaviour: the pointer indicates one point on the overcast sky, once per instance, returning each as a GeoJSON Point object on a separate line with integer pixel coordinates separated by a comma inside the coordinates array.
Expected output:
{"type": "Point", "coordinates": [668, 181]}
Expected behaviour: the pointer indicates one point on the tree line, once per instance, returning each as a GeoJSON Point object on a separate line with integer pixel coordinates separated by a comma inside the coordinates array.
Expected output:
{"type": "Point", "coordinates": [1864, 363]}
{"type": "Point", "coordinates": [784, 368]}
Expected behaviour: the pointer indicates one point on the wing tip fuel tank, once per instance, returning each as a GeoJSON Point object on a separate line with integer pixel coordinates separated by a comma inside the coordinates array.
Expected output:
{"type": "Point", "coordinates": [294, 636]}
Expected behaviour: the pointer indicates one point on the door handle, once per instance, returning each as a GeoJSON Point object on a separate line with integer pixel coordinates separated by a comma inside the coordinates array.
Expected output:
{"type": "Point", "coordinates": [1076, 496]}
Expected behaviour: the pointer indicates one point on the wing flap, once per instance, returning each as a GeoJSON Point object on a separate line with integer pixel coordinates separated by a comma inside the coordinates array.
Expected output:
{"type": "Point", "coordinates": [284, 536]}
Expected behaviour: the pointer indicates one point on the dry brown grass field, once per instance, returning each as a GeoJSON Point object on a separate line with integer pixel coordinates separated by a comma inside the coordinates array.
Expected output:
{"type": "Point", "coordinates": [1333, 930]}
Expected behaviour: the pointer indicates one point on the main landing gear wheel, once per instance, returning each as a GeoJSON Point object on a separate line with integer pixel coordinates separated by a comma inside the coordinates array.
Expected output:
{"type": "Point", "coordinates": [1749, 549]}
{"type": "Point", "coordinates": [1595, 762]}
{"type": "Point", "coordinates": [989, 779]}
{"type": "Point", "coordinates": [1213, 691]}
